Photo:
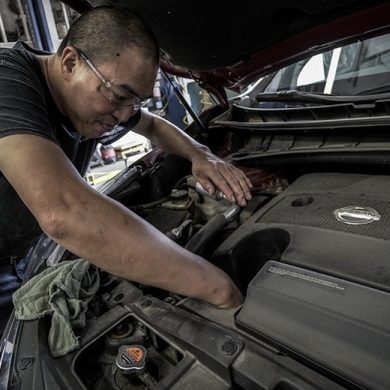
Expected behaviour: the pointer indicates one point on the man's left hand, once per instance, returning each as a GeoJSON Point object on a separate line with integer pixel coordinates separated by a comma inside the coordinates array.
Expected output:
{"type": "Point", "coordinates": [212, 172]}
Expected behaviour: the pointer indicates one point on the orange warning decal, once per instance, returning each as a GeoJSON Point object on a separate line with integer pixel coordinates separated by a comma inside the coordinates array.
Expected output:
{"type": "Point", "coordinates": [136, 353]}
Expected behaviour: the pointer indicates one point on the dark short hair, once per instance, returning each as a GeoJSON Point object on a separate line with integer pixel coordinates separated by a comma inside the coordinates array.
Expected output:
{"type": "Point", "coordinates": [103, 32]}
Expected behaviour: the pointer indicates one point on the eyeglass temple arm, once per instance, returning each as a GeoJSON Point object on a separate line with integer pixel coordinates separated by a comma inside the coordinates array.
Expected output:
{"type": "Point", "coordinates": [94, 70]}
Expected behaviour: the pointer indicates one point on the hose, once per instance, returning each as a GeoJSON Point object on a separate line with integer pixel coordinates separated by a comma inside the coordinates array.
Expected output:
{"type": "Point", "coordinates": [199, 241]}
{"type": "Point", "coordinates": [150, 205]}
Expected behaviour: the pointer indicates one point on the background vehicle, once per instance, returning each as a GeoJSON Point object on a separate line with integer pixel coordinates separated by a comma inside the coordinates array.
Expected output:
{"type": "Point", "coordinates": [310, 251]}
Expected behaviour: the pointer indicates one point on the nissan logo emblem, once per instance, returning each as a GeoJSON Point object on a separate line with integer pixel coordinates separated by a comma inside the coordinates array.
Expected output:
{"type": "Point", "coordinates": [356, 215]}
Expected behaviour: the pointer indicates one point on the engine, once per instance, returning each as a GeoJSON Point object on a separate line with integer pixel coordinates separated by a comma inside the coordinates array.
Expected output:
{"type": "Point", "coordinates": [311, 258]}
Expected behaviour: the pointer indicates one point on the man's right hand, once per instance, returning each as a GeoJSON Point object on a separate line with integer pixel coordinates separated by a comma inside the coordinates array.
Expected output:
{"type": "Point", "coordinates": [218, 288]}
{"type": "Point", "coordinates": [233, 297]}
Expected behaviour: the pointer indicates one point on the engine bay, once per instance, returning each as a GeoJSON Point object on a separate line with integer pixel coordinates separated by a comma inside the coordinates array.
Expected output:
{"type": "Point", "coordinates": [310, 257]}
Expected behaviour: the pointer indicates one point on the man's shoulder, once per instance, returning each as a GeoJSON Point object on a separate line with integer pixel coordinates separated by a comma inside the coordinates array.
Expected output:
{"type": "Point", "coordinates": [20, 55]}
{"type": "Point", "coordinates": [26, 106]}
{"type": "Point", "coordinates": [16, 59]}
{"type": "Point", "coordinates": [20, 71]}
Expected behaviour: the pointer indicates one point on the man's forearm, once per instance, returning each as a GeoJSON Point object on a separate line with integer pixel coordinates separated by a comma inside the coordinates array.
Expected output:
{"type": "Point", "coordinates": [100, 229]}
{"type": "Point", "coordinates": [123, 244]}
{"type": "Point", "coordinates": [169, 137]}
{"type": "Point", "coordinates": [208, 169]}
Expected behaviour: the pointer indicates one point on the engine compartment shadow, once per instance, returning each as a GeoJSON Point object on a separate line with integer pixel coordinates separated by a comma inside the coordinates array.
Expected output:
{"type": "Point", "coordinates": [249, 255]}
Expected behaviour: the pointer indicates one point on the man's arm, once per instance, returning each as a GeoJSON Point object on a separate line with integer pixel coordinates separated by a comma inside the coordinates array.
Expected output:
{"type": "Point", "coordinates": [100, 229]}
{"type": "Point", "coordinates": [208, 169]}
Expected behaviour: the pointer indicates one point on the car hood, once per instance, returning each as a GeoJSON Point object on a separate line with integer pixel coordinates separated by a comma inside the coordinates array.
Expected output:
{"type": "Point", "coordinates": [228, 44]}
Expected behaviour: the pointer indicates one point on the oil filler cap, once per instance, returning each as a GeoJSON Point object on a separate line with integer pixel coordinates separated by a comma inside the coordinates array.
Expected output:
{"type": "Point", "coordinates": [131, 359]}
{"type": "Point", "coordinates": [178, 195]}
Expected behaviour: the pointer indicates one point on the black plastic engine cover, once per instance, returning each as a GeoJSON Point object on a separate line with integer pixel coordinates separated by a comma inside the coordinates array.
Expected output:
{"type": "Point", "coordinates": [299, 228]}
{"type": "Point", "coordinates": [340, 326]}
{"type": "Point", "coordinates": [325, 296]}
{"type": "Point", "coordinates": [318, 241]}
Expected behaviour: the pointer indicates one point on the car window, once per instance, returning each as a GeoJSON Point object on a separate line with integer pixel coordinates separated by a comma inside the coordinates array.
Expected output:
{"type": "Point", "coordinates": [349, 70]}
{"type": "Point", "coordinates": [312, 72]}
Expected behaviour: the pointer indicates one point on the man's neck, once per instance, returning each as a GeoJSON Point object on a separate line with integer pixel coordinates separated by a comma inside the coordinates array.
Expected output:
{"type": "Point", "coordinates": [50, 69]}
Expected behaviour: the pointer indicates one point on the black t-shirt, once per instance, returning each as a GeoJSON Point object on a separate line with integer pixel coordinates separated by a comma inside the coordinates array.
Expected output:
{"type": "Point", "coordinates": [26, 107]}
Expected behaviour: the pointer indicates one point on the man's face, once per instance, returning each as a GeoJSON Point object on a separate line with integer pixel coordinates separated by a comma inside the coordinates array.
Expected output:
{"type": "Point", "coordinates": [89, 104]}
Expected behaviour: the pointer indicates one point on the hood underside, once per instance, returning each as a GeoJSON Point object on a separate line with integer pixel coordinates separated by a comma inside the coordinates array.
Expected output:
{"type": "Point", "coordinates": [231, 44]}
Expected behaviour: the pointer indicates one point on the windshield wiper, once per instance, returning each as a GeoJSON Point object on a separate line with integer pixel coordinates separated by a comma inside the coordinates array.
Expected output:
{"type": "Point", "coordinates": [383, 89]}
{"type": "Point", "coordinates": [294, 96]}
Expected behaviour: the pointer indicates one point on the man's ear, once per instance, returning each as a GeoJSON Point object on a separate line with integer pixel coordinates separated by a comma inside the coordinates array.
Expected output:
{"type": "Point", "coordinates": [69, 62]}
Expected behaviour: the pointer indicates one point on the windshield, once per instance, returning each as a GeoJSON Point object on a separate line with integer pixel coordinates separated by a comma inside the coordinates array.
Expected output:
{"type": "Point", "coordinates": [359, 68]}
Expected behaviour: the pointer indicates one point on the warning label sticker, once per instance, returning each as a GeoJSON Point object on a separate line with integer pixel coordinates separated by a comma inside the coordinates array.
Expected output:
{"type": "Point", "coordinates": [320, 282]}
{"type": "Point", "coordinates": [135, 353]}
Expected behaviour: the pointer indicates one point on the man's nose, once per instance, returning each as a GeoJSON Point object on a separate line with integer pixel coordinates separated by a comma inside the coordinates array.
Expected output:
{"type": "Point", "coordinates": [122, 114]}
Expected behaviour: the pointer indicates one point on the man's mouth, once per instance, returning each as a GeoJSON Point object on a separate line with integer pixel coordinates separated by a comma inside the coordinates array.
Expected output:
{"type": "Point", "coordinates": [106, 127]}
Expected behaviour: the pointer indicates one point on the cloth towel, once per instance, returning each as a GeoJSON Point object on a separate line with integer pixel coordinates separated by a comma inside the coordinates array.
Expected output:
{"type": "Point", "coordinates": [62, 291]}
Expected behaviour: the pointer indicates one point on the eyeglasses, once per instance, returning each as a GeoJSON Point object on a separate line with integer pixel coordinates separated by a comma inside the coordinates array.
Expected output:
{"type": "Point", "coordinates": [113, 93]}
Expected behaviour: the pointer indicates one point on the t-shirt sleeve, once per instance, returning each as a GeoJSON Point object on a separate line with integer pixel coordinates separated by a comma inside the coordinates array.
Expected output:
{"type": "Point", "coordinates": [23, 109]}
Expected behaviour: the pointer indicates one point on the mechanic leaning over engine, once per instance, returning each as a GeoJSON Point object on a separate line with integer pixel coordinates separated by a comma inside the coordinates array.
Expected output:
{"type": "Point", "coordinates": [54, 108]}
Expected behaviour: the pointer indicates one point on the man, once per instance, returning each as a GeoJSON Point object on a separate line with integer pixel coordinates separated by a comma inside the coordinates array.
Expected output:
{"type": "Point", "coordinates": [53, 109]}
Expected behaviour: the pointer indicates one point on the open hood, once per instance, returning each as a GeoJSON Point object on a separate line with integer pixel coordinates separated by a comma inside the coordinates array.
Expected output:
{"type": "Point", "coordinates": [230, 44]}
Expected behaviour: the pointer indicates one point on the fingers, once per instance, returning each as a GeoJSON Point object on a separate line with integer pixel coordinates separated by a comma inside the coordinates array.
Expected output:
{"type": "Point", "coordinates": [227, 178]}
{"type": "Point", "coordinates": [240, 185]}
{"type": "Point", "coordinates": [223, 182]}
{"type": "Point", "coordinates": [235, 298]}
{"type": "Point", "coordinates": [234, 184]}
{"type": "Point", "coordinates": [206, 184]}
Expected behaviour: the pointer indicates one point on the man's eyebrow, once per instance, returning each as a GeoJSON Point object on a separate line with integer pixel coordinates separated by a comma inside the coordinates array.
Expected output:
{"type": "Point", "coordinates": [127, 88]}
